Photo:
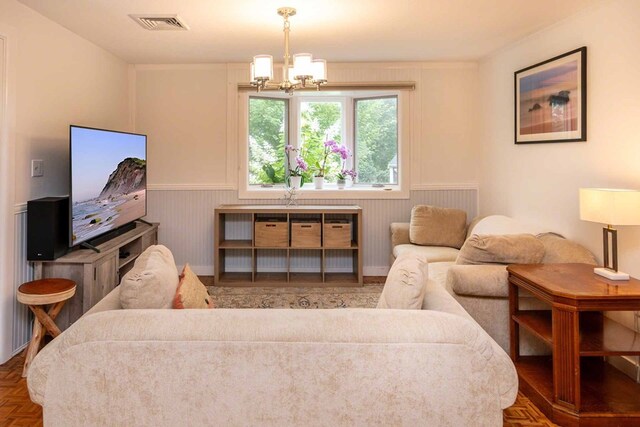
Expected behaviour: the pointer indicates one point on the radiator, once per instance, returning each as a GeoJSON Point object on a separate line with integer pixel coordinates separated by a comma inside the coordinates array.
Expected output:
{"type": "Point", "coordinates": [22, 316]}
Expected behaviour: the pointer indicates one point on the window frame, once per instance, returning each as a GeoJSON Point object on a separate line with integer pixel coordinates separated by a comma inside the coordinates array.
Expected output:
{"type": "Point", "coordinates": [287, 127]}
{"type": "Point", "coordinates": [401, 190]}
{"type": "Point", "coordinates": [355, 101]}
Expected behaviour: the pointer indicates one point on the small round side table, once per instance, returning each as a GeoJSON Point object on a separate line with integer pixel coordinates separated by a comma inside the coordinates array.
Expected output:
{"type": "Point", "coordinates": [36, 295]}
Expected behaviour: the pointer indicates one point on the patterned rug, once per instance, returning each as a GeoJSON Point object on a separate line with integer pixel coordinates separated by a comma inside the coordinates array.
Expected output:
{"type": "Point", "coordinates": [522, 413]}
{"type": "Point", "coordinates": [234, 297]}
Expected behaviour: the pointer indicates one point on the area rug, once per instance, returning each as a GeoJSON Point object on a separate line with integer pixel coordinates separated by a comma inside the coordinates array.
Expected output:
{"type": "Point", "coordinates": [304, 298]}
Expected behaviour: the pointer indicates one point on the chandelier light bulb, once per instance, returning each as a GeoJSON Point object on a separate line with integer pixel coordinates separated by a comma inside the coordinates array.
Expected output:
{"type": "Point", "coordinates": [263, 67]}
{"type": "Point", "coordinates": [302, 64]}
{"type": "Point", "coordinates": [319, 70]}
{"type": "Point", "coordinates": [292, 76]}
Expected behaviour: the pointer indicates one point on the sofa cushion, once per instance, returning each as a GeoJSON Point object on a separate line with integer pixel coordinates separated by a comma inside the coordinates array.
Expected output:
{"type": "Point", "coordinates": [427, 253]}
{"type": "Point", "coordinates": [479, 280]}
{"type": "Point", "coordinates": [405, 284]}
{"type": "Point", "coordinates": [500, 224]}
{"type": "Point", "coordinates": [191, 293]}
{"type": "Point", "coordinates": [434, 226]}
{"type": "Point", "coordinates": [557, 249]}
{"type": "Point", "coordinates": [501, 249]}
{"type": "Point", "coordinates": [152, 282]}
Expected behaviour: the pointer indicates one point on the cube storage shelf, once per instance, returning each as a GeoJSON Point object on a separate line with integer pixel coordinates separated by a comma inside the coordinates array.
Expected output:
{"type": "Point", "coordinates": [264, 245]}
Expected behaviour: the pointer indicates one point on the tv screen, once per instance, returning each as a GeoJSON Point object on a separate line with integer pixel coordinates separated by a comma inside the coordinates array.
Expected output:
{"type": "Point", "coordinates": [108, 181]}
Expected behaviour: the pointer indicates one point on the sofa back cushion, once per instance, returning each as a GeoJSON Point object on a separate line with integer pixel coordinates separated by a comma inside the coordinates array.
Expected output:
{"type": "Point", "coordinates": [152, 282]}
{"type": "Point", "coordinates": [434, 226]}
{"type": "Point", "coordinates": [500, 224]}
{"type": "Point", "coordinates": [557, 249]}
{"type": "Point", "coordinates": [405, 285]}
{"type": "Point", "coordinates": [501, 249]}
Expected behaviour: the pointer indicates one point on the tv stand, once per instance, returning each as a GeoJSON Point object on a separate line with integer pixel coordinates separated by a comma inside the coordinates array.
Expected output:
{"type": "Point", "coordinates": [93, 243]}
{"type": "Point", "coordinates": [96, 270]}
{"type": "Point", "coordinates": [89, 246]}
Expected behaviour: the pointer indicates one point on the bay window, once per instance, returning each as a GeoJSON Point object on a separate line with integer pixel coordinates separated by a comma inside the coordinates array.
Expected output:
{"type": "Point", "coordinates": [366, 127]}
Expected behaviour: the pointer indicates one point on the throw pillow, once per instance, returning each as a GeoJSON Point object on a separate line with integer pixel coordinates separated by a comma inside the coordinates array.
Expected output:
{"type": "Point", "coordinates": [152, 281]}
{"type": "Point", "coordinates": [559, 250]}
{"type": "Point", "coordinates": [501, 249]}
{"type": "Point", "coordinates": [405, 286]}
{"type": "Point", "coordinates": [191, 293]}
{"type": "Point", "coordinates": [434, 226]}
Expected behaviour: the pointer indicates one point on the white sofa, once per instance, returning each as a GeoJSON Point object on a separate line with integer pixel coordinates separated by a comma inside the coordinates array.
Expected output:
{"type": "Point", "coordinates": [338, 367]}
{"type": "Point", "coordinates": [484, 296]}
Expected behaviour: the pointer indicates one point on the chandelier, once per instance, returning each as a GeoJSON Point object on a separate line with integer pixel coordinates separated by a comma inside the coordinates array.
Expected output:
{"type": "Point", "coordinates": [304, 71]}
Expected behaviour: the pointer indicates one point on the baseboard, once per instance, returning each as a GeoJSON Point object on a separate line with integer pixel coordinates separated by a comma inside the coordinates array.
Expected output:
{"type": "Point", "coordinates": [375, 271]}
{"type": "Point", "coordinates": [625, 364]}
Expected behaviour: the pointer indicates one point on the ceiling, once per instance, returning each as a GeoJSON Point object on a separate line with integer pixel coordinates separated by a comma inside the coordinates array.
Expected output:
{"type": "Point", "coordinates": [336, 30]}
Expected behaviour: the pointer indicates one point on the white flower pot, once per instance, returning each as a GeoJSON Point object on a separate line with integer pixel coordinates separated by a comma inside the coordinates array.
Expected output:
{"type": "Point", "coordinates": [295, 181]}
{"type": "Point", "coordinates": [318, 182]}
{"type": "Point", "coordinates": [341, 183]}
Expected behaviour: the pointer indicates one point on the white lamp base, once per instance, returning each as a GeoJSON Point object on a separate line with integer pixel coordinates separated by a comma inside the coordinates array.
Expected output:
{"type": "Point", "coordinates": [610, 274]}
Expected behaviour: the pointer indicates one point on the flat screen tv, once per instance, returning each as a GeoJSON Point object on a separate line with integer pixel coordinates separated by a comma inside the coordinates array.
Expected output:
{"type": "Point", "coordinates": [108, 182]}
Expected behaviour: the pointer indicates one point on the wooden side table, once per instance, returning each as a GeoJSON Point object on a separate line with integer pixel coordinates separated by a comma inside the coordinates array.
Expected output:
{"type": "Point", "coordinates": [37, 295]}
{"type": "Point", "coordinates": [576, 386]}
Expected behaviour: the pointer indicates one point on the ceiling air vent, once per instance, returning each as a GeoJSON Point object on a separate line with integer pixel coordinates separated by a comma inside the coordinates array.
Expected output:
{"type": "Point", "coordinates": [160, 22]}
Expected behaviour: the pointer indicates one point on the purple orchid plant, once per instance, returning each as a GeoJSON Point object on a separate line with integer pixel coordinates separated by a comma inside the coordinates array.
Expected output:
{"type": "Point", "coordinates": [328, 149]}
{"type": "Point", "coordinates": [301, 165]}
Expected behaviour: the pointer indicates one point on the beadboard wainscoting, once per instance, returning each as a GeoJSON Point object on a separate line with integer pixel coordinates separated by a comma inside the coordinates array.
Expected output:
{"type": "Point", "coordinates": [186, 223]}
{"type": "Point", "coordinates": [22, 272]}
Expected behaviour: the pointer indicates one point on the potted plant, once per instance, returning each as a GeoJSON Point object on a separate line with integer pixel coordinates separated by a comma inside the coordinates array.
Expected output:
{"type": "Point", "coordinates": [344, 154]}
{"type": "Point", "coordinates": [321, 168]}
{"type": "Point", "coordinates": [295, 173]}
{"type": "Point", "coordinates": [345, 174]}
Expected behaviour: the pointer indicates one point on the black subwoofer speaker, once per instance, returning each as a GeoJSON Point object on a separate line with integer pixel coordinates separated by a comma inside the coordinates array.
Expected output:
{"type": "Point", "coordinates": [47, 228]}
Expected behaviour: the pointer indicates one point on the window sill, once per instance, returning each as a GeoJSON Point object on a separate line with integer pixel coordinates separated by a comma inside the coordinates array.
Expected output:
{"type": "Point", "coordinates": [330, 191]}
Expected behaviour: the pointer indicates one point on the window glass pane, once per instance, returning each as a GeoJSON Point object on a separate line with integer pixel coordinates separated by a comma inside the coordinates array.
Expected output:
{"type": "Point", "coordinates": [319, 122]}
{"type": "Point", "coordinates": [376, 140]}
{"type": "Point", "coordinates": [267, 138]}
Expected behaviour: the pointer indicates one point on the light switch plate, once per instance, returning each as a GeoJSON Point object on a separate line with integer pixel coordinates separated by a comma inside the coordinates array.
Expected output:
{"type": "Point", "coordinates": [37, 168]}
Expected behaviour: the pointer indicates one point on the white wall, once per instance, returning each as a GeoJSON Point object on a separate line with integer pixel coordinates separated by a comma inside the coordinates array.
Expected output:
{"type": "Point", "coordinates": [539, 182]}
{"type": "Point", "coordinates": [189, 112]}
{"type": "Point", "coordinates": [61, 79]}
{"type": "Point", "coordinates": [55, 78]}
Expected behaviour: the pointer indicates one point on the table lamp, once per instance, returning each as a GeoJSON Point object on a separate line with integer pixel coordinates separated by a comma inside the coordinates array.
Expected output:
{"type": "Point", "coordinates": [610, 207]}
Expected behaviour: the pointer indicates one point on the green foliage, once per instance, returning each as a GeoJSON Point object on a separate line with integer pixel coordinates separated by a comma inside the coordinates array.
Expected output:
{"type": "Point", "coordinates": [320, 121]}
{"type": "Point", "coordinates": [267, 120]}
{"type": "Point", "coordinates": [376, 138]}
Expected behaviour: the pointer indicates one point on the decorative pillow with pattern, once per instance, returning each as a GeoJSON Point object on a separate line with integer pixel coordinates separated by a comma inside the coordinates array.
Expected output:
{"type": "Point", "coordinates": [406, 283]}
{"type": "Point", "coordinates": [191, 293]}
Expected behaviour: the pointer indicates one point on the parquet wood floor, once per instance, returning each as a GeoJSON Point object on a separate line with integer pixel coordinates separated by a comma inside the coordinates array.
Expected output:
{"type": "Point", "coordinates": [16, 409]}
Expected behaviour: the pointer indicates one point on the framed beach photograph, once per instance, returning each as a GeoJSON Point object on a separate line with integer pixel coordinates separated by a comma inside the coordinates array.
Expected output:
{"type": "Point", "coordinates": [551, 100]}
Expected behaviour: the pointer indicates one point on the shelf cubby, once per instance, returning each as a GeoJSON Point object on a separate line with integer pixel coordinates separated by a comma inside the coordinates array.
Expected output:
{"type": "Point", "coordinates": [262, 237]}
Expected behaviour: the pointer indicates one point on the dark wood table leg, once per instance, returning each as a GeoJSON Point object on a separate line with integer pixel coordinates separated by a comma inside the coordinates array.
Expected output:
{"type": "Point", "coordinates": [566, 357]}
{"type": "Point", "coordinates": [514, 329]}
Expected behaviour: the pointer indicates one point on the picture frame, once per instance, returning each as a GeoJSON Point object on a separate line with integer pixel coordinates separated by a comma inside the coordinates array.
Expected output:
{"type": "Point", "coordinates": [551, 100]}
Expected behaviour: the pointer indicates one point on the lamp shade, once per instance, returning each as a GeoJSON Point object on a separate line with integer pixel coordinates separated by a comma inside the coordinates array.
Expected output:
{"type": "Point", "coordinates": [610, 206]}
{"type": "Point", "coordinates": [263, 67]}
{"type": "Point", "coordinates": [319, 70]}
{"type": "Point", "coordinates": [302, 64]}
